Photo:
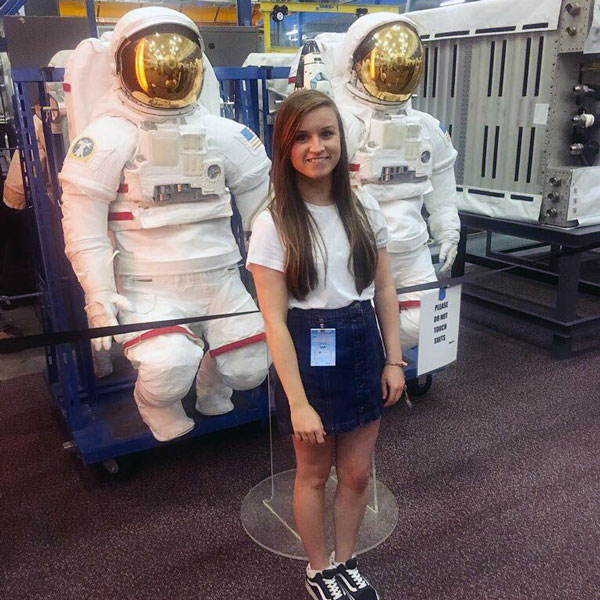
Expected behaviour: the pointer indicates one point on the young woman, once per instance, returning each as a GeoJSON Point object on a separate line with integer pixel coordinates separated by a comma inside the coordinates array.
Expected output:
{"type": "Point", "coordinates": [318, 258]}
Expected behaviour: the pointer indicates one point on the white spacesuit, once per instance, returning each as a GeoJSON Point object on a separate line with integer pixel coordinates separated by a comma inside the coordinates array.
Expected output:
{"type": "Point", "coordinates": [157, 169]}
{"type": "Point", "coordinates": [403, 157]}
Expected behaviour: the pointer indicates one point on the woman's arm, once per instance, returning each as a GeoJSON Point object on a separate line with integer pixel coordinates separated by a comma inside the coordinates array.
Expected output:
{"type": "Point", "coordinates": [386, 307]}
{"type": "Point", "coordinates": [273, 300]}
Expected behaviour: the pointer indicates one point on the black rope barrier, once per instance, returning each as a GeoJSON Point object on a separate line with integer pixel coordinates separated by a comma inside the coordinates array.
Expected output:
{"type": "Point", "coordinates": [18, 344]}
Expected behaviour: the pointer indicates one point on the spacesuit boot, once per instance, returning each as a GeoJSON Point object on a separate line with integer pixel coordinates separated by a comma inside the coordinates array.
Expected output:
{"type": "Point", "coordinates": [160, 385]}
{"type": "Point", "coordinates": [166, 422]}
{"type": "Point", "coordinates": [213, 397]}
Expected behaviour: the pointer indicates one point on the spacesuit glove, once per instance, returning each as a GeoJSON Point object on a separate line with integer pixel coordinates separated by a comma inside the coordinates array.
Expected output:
{"type": "Point", "coordinates": [448, 251]}
{"type": "Point", "coordinates": [102, 310]}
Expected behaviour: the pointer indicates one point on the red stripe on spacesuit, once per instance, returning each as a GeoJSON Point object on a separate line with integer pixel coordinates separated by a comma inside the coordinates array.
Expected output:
{"type": "Point", "coordinates": [159, 331]}
{"type": "Point", "coordinates": [120, 216]}
{"type": "Point", "coordinates": [292, 80]}
{"type": "Point", "coordinates": [66, 87]}
{"type": "Point", "coordinates": [239, 344]}
{"type": "Point", "coordinates": [353, 167]}
{"type": "Point", "coordinates": [409, 304]}
{"type": "Point", "coordinates": [123, 189]}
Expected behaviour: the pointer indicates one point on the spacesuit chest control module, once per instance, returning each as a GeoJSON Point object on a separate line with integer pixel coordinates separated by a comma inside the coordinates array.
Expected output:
{"type": "Point", "coordinates": [146, 215]}
{"type": "Point", "coordinates": [397, 151]}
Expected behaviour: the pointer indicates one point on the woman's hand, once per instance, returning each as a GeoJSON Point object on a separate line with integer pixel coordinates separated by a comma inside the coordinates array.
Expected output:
{"type": "Point", "coordinates": [307, 424]}
{"type": "Point", "coordinates": [392, 384]}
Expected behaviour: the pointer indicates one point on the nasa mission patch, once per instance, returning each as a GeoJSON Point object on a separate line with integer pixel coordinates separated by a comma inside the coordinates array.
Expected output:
{"type": "Point", "coordinates": [82, 149]}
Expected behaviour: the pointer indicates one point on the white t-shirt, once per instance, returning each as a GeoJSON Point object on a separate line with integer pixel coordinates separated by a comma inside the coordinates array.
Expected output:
{"type": "Point", "coordinates": [339, 289]}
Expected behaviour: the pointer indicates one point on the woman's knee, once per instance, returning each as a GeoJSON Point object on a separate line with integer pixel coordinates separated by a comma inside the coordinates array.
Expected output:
{"type": "Point", "coordinates": [355, 479]}
{"type": "Point", "coordinates": [316, 480]}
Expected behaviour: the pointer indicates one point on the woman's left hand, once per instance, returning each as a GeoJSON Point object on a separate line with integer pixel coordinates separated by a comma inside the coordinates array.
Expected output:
{"type": "Point", "coordinates": [392, 384]}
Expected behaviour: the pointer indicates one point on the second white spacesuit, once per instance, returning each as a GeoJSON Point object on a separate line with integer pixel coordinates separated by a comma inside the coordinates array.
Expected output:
{"type": "Point", "coordinates": [402, 157]}
{"type": "Point", "coordinates": [157, 169]}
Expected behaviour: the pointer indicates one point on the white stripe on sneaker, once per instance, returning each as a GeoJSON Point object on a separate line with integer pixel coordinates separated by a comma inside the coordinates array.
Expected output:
{"type": "Point", "coordinates": [333, 592]}
{"type": "Point", "coordinates": [310, 586]}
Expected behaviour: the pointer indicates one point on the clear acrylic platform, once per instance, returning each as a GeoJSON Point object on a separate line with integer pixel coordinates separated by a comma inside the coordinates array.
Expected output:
{"type": "Point", "coordinates": [267, 515]}
{"type": "Point", "coordinates": [267, 510]}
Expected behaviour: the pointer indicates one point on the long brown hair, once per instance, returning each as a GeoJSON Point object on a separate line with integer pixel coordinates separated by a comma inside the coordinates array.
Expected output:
{"type": "Point", "coordinates": [296, 225]}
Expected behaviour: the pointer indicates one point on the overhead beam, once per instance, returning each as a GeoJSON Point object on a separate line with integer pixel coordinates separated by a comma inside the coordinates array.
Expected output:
{"type": "Point", "coordinates": [215, 14]}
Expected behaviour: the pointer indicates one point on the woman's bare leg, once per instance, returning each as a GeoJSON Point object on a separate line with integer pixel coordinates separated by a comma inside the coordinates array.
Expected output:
{"type": "Point", "coordinates": [313, 463]}
{"type": "Point", "coordinates": [353, 463]}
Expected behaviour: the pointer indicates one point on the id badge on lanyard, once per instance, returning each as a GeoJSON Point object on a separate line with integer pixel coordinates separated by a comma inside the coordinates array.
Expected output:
{"type": "Point", "coordinates": [322, 347]}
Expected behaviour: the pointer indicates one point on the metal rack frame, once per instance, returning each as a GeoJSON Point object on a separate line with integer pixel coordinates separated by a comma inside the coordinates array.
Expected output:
{"type": "Point", "coordinates": [100, 415]}
{"type": "Point", "coordinates": [567, 246]}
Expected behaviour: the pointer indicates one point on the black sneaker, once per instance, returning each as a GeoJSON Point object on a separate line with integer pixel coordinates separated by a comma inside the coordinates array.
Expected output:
{"type": "Point", "coordinates": [353, 583]}
{"type": "Point", "coordinates": [325, 586]}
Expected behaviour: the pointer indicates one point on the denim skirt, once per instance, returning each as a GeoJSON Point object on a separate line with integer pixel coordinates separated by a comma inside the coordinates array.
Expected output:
{"type": "Point", "coordinates": [347, 395]}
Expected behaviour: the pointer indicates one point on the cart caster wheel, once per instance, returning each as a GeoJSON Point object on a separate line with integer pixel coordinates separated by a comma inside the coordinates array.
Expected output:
{"type": "Point", "coordinates": [418, 388]}
{"type": "Point", "coordinates": [111, 466]}
{"type": "Point", "coordinates": [70, 446]}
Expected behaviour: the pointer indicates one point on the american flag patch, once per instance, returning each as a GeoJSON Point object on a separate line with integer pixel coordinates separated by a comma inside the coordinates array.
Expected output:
{"type": "Point", "coordinates": [251, 138]}
{"type": "Point", "coordinates": [446, 134]}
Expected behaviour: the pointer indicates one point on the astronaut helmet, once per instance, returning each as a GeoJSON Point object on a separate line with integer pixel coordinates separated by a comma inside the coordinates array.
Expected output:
{"type": "Point", "coordinates": [384, 59]}
{"type": "Point", "coordinates": [158, 58]}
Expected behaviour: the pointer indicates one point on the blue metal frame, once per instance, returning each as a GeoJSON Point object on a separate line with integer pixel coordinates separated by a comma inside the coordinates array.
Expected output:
{"type": "Point", "coordinates": [11, 7]}
{"type": "Point", "coordinates": [101, 414]}
{"type": "Point", "coordinates": [244, 12]}
{"type": "Point", "coordinates": [240, 88]}
{"type": "Point", "coordinates": [52, 262]}
{"type": "Point", "coordinates": [91, 15]}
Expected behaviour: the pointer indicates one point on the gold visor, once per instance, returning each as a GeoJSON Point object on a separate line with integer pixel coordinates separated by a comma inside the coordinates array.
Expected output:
{"type": "Point", "coordinates": [389, 62]}
{"type": "Point", "coordinates": [162, 69]}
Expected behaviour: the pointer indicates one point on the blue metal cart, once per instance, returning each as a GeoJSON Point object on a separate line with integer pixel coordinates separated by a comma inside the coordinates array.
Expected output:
{"type": "Point", "coordinates": [100, 414]}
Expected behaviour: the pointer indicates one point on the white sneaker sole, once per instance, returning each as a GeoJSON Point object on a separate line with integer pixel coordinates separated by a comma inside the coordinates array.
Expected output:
{"type": "Point", "coordinates": [311, 593]}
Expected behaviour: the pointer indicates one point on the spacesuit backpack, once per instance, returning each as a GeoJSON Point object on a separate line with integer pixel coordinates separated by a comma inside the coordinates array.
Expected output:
{"type": "Point", "coordinates": [87, 78]}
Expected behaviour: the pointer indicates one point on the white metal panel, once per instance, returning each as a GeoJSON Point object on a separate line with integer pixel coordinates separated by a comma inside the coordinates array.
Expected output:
{"type": "Point", "coordinates": [443, 92]}
{"type": "Point", "coordinates": [479, 18]}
